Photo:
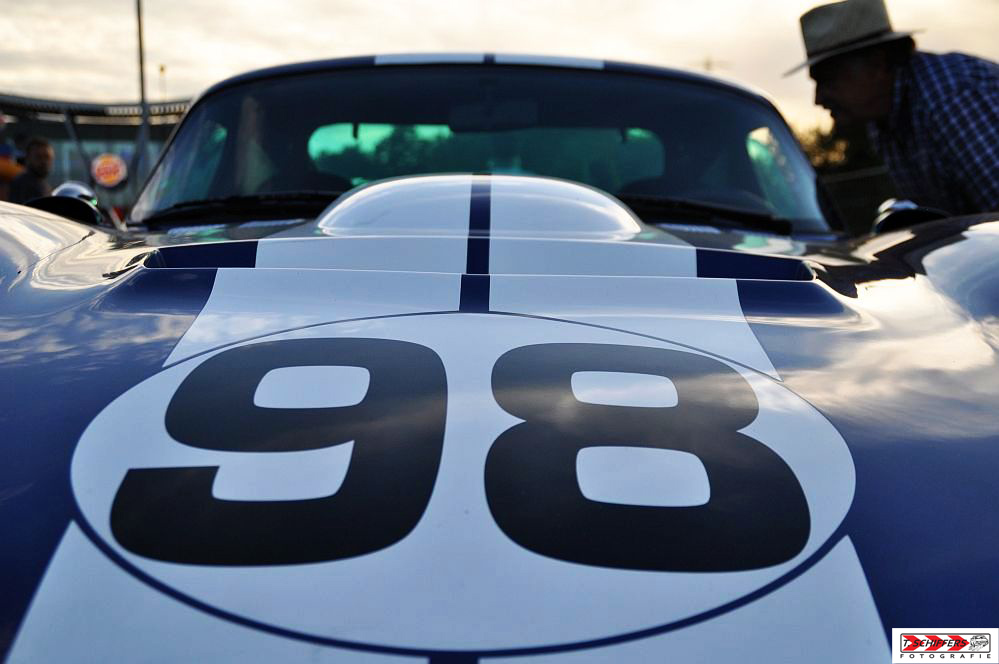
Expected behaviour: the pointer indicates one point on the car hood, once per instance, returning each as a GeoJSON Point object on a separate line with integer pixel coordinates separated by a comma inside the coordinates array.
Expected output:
{"type": "Point", "coordinates": [519, 207]}
{"type": "Point", "coordinates": [482, 439]}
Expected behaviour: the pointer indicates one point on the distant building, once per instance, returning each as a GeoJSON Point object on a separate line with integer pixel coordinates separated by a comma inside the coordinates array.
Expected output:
{"type": "Point", "coordinates": [81, 131]}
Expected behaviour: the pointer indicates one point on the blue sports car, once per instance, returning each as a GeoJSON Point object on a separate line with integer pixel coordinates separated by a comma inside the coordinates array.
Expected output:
{"type": "Point", "coordinates": [491, 358]}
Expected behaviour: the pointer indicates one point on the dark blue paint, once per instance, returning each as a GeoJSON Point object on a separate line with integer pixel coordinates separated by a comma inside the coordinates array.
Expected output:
{"type": "Point", "coordinates": [923, 519]}
{"type": "Point", "coordinates": [965, 271]}
{"type": "Point", "coordinates": [489, 60]}
{"type": "Point", "coordinates": [716, 263]}
{"type": "Point", "coordinates": [58, 371]}
{"type": "Point", "coordinates": [18, 252]}
{"type": "Point", "coordinates": [923, 433]}
{"type": "Point", "coordinates": [792, 299]}
{"type": "Point", "coordinates": [282, 71]}
{"type": "Point", "coordinates": [215, 254]}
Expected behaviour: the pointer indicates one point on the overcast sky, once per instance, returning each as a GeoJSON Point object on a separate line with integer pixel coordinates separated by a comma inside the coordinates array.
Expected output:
{"type": "Point", "coordinates": [86, 50]}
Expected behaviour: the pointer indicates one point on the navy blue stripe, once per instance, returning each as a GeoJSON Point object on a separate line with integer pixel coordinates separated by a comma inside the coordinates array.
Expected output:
{"type": "Point", "coordinates": [722, 264]}
{"type": "Point", "coordinates": [477, 261]}
{"type": "Point", "coordinates": [453, 658]}
{"type": "Point", "coordinates": [768, 300]}
{"type": "Point", "coordinates": [474, 293]}
{"type": "Point", "coordinates": [212, 254]}
{"type": "Point", "coordinates": [475, 281]}
{"type": "Point", "coordinates": [478, 227]}
{"type": "Point", "coordinates": [490, 59]}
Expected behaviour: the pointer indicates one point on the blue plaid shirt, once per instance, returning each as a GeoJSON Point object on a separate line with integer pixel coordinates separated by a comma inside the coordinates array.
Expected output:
{"type": "Point", "coordinates": [941, 140]}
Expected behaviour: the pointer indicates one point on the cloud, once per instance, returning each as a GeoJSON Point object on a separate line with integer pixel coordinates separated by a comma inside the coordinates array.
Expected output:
{"type": "Point", "coordinates": [87, 51]}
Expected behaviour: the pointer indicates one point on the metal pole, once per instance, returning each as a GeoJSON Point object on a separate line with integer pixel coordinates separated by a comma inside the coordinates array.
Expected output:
{"type": "Point", "coordinates": [138, 159]}
{"type": "Point", "coordinates": [142, 55]}
{"type": "Point", "coordinates": [81, 153]}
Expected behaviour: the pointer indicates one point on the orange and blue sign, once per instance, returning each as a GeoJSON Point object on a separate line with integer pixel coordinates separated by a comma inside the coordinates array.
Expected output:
{"type": "Point", "coordinates": [108, 170]}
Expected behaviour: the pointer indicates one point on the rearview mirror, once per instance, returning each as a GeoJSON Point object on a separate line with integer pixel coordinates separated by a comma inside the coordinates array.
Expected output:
{"type": "Point", "coordinates": [895, 214]}
{"type": "Point", "coordinates": [504, 115]}
{"type": "Point", "coordinates": [73, 200]}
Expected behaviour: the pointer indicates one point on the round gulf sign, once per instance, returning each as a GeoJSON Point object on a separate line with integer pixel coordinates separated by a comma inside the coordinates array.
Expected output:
{"type": "Point", "coordinates": [108, 170]}
{"type": "Point", "coordinates": [461, 482]}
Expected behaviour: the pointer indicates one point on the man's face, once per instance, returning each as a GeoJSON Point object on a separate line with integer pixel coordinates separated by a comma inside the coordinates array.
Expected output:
{"type": "Point", "coordinates": [855, 87]}
{"type": "Point", "coordinates": [40, 159]}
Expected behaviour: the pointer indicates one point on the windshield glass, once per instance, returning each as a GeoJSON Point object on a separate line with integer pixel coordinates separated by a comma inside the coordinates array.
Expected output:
{"type": "Point", "coordinates": [628, 134]}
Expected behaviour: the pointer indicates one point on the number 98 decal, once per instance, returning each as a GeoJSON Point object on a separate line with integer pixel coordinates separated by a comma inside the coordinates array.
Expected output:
{"type": "Point", "coordinates": [756, 516]}
{"type": "Point", "coordinates": [397, 431]}
{"type": "Point", "coordinates": [462, 468]}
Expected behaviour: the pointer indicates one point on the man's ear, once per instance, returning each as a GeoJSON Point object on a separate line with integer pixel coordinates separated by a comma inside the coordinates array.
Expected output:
{"type": "Point", "coordinates": [879, 62]}
{"type": "Point", "coordinates": [880, 80]}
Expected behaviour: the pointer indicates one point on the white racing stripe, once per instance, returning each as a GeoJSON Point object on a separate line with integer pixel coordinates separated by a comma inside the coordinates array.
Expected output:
{"type": "Point", "coordinates": [428, 58]}
{"type": "Point", "coordinates": [590, 257]}
{"type": "Point", "coordinates": [456, 581]}
{"type": "Point", "coordinates": [395, 254]}
{"type": "Point", "coordinates": [548, 60]}
{"type": "Point", "coordinates": [506, 255]}
{"type": "Point", "coordinates": [428, 205]}
{"type": "Point", "coordinates": [521, 204]}
{"type": "Point", "coordinates": [143, 625]}
{"type": "Point", "coordinates": [703, 313]}
{"type": "Point", "coordinates": [247, 302]}
{"type": "Point", "coordinates": [791, 625]}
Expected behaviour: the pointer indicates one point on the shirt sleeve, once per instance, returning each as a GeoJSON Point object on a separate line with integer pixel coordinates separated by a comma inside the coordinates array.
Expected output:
{"type": "Point", "coordinates": [969, 127]}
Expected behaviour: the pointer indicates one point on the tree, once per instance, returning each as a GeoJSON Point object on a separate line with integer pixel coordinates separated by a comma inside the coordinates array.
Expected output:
{"type": "Point", "coordinates": [839, 150]}
{"type": "Point", "coordinates": [851, 171]}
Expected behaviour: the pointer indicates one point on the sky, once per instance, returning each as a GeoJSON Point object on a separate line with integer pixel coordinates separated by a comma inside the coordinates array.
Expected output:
{"type": "Point", "coordinates": [86, 50]}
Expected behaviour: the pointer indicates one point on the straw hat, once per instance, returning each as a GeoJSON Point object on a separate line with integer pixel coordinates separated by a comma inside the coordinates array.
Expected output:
{"type": "Point", "coordinates": [841, 27]}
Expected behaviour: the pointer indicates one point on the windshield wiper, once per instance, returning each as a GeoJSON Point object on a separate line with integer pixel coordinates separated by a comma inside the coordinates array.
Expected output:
{"type": "Point", "coordinates": [296, 202]}
{"type": "Point", "coordinates": [714, 213]}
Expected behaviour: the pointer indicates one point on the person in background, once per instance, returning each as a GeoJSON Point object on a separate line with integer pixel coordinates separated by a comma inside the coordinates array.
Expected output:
{"type": "Point", "coordinates": [20, 141]}
{"type": "Point", "coordinates": [9, 169]}
{"type": "Point", "coordinates": [38, 160]}
{"type": "Point", "coordinates": [934, 118]}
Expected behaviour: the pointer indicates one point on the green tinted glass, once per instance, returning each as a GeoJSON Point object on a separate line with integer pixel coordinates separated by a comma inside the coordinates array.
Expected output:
{"type": "Point", "coordinates": [602, 156]}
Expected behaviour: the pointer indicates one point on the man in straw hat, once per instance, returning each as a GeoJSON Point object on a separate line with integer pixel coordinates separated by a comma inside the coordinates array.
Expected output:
{"type": "Point", "coordinates": [934, 118]}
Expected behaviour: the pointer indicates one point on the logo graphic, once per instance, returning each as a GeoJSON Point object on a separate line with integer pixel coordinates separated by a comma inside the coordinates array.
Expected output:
{"type": "Point", "coordinates": [947, 644]}
{"type": "Point", "coordinates": [109, 170]}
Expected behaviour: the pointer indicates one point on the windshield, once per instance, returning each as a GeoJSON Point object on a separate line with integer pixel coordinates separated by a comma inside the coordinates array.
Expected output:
{"type": "Point", "coordinates": [628, 134]}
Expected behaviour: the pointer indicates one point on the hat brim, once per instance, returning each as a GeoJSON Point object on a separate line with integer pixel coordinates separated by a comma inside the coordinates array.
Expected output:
{"type": "Point", "coordinates": [863, 43]}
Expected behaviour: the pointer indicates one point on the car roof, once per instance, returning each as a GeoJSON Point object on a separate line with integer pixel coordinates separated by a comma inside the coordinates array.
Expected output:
{"type": "Point", "coordinates": [485, 60]}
